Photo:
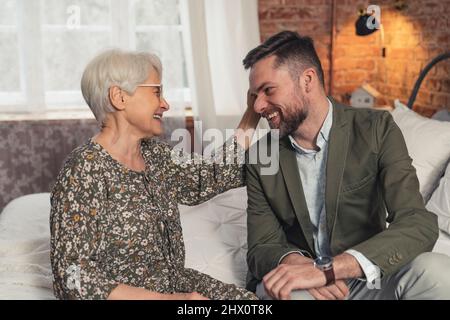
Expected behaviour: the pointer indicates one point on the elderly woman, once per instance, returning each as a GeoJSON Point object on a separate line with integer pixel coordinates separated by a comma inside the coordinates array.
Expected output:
{"type": "Point", "coordinates": [115, 226]}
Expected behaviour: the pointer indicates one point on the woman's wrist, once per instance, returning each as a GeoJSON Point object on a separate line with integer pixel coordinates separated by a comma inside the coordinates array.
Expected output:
{"type": "Point", "coordinates": [246, 128]}
{"type": "Point", "coordinates": [249, 119]}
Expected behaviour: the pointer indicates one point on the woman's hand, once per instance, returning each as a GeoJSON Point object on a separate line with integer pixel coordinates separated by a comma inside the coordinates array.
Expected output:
{"type": "Point", "coordinates": [186, 296]}
{"type": "Point", "coordinates": [251, 98]}
{"type": "Point", "coordinates": [248, 123]}
{"type": "Point", "coordinates": [125, 292]}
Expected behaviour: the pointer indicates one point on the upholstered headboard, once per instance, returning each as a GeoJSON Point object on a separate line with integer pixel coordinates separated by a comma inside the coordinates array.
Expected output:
{"type": "Point", "coordinates": [32, 151]}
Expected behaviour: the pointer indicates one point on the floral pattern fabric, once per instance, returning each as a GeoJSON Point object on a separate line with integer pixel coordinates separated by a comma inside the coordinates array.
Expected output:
{"type": "Point", "coordinates": [112, 225]}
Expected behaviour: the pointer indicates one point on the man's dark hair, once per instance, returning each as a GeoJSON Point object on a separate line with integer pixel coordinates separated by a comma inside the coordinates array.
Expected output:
{"type": "Point", "coordinates": [289, 48]}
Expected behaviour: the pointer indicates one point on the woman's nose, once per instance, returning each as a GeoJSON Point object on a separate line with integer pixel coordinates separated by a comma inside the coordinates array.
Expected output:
{"type": "Point", "coordinates": [164, 105]}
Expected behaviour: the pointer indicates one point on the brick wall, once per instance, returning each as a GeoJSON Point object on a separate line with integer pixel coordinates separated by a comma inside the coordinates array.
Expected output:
{"type": "Point", "coordinates": [413, 36]}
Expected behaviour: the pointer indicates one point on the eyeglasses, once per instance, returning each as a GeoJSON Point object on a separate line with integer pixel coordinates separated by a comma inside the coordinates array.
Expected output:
{"type": "Point", "coordinates": [159, 94]}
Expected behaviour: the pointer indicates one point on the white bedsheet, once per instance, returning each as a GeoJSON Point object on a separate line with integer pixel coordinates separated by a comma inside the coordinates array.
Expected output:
{"type": "Point", "coordinates": [25, 271]}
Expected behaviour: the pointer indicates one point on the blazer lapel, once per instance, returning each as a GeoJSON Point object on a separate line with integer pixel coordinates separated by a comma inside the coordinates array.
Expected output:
{"type": "Point", "coordinates": [337, 153]}
{"type": "Point", "coordinates": [289, 170]}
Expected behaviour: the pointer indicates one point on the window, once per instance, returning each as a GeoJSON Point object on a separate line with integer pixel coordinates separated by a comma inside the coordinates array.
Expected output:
{"type": "Point", "coordinates": [10, 81]}
{"type": "Point", "coordinates": [45, 45]}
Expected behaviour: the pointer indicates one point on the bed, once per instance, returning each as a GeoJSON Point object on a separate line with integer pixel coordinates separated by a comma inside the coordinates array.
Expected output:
{"type": "Point", "coordinates": [214, 232]}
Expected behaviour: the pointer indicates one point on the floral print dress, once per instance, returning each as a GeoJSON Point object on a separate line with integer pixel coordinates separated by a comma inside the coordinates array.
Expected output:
{"type": "Point", "coordinates": [111, 225]}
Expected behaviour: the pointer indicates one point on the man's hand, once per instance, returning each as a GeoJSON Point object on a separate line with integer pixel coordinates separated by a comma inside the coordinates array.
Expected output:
{"type": "Point", "coordinates": [277, 288]}
{"type": "Point", "coordinates": [280, 282]}
{"type": "Point", "coordinates": [296, 258]}
{"type": "Point", "coordinates": [336, 291]}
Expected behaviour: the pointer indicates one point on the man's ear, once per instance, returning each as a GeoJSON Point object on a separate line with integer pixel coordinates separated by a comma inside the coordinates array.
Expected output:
{"type": "Point", "coordinates": [307, 79]}
{"type": "Point", "coordinates": [117, 97]}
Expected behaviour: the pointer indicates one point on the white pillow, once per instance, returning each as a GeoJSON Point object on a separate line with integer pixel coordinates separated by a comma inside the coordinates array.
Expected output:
{"type": "Point", "coordinates": [26, 217]}
{"type": "Point", "coordinates": [215, 236]}
{"type": "Point", "coordinates": [428, 143]}
{"type": "Point", "coordinates": [440, 202]}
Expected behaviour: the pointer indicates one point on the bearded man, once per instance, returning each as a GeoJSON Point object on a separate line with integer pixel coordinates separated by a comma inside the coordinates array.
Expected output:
{"type": "Point", "coordinates": [317, 228]}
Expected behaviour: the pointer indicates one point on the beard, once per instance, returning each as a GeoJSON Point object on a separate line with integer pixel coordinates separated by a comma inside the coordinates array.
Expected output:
{"type": "Point", "coordinates": [293, 116]}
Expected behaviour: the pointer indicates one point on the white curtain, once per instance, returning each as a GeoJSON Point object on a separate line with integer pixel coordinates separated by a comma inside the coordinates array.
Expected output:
{"type": "Point", "coordinates": [221, 32]}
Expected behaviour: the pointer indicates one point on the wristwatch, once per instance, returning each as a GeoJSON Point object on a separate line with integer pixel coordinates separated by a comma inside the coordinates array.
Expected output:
{"type": "Point", "coordinates": [325, 264]}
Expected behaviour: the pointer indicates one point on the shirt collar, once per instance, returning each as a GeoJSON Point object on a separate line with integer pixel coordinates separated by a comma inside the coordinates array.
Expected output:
{"type": "Point", "coordinates": [324, 133]}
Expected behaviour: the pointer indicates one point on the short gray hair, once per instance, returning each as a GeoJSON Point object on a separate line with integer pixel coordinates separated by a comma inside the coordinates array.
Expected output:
{"type": "Point", "coordinates": [114, 67]}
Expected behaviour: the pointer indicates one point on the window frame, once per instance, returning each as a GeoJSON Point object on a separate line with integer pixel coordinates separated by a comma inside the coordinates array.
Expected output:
{"type": "Point", "coordinates": [32, 97]}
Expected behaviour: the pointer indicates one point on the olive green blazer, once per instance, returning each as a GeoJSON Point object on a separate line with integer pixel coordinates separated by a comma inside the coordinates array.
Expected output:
{"type": "Point", "coordinates": [368, 173]}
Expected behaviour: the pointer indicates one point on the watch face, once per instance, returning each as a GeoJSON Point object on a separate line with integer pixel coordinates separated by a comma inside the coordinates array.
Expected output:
{"type": "Point", "coordinates": [324, 261]}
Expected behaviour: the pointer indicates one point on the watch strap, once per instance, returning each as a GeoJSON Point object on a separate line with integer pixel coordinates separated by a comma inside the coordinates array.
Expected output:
{"type": "Point", "coordinates": [329, 275]}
